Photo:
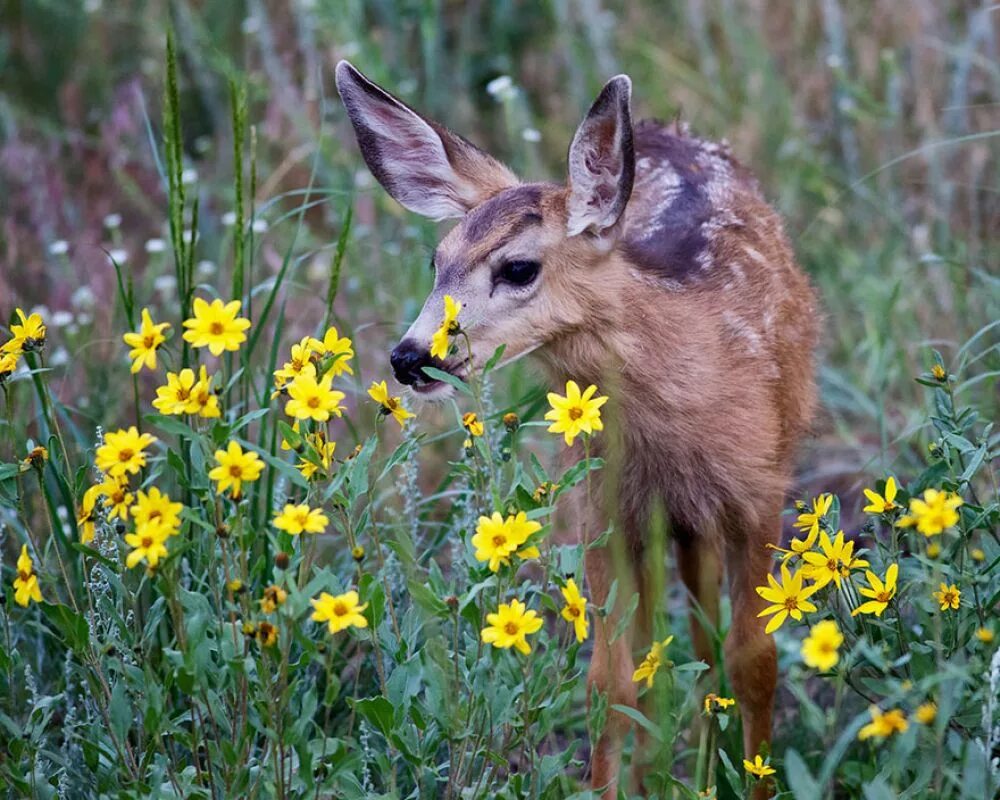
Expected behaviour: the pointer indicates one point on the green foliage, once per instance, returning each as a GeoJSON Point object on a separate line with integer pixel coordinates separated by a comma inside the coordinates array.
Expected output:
{"type": "Point", "coordinates": [135, 683]}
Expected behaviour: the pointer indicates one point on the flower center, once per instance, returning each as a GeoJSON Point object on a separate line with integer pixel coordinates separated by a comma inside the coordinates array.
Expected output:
{"type": "Point", "coordinates": [340, 609]}
{"type": "Point", "coordinates": [147, 542]}
{"type": "Point", "coordinates": [884, 597]}
{"type": "Point", "coordinates": [499, 540]}
{"type": "Point", "coordinates": [182, 393]}
{"type": "Point", "coordinates": [313, 402]}
{"type": "Point", "coordinates": [574, 611]}
{"type": "Point", "coordinates": [216, 328]}
{"type": "Point", "coordinates": [510, 628]}
{"type": "Point", "coordinates": [24, 576]}
{"type": "Point", "coordinates": [831, 564]}
{"type": "Point", "coordinates": [148, 341]}
{"type": "Point", "coordinates": [792, 603]}
{"type": "Point", "coordinates": [235, 470]}
{"type": "Point", "coordinates": [125, 454]}
{"type": "Point", "coordinates": [575, 413]}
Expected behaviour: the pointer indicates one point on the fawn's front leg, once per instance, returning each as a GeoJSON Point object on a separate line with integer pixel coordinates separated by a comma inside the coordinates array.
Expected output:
{"type": "Point", "coordinates": [611, 670]}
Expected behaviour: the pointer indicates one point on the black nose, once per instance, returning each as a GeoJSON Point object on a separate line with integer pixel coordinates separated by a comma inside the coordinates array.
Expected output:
{"type": "Point", "coordinates": [407, 361]}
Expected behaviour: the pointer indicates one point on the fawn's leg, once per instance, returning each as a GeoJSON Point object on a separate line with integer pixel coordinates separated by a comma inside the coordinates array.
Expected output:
{"type": "Point", "coordinates": [751, 657]}
{"type": "Point", "coordinates": [701, 571]}
{"type": "Point", "coordinates": [611, 669]}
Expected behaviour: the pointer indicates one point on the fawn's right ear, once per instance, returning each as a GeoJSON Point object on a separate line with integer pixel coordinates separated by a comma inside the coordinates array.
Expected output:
{"type": "Point", "coordinates": [602, 161]}
{"type": "Point", "coordinates": [423, 165]}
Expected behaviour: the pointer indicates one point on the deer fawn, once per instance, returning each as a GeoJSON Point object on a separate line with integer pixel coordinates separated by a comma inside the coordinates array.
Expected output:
{"type": "Point", "coordinates": [659, 273]}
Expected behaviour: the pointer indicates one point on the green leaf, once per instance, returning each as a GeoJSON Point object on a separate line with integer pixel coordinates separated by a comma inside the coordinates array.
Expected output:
{"type": "Point", "coordinates": [378, 711]}
{"type": "Point", "coordinates": [120, 711]}
{"type": "Point", "coordinates": [640, 719]}
{"type": "Point", "coordinates": [800, 780]}
{"type": "Point", "coordinates": [72, 626]}
{"type": "Point", "coordinates": [494, 359]}
{"type": "Point", "coordinates": [451, 380]}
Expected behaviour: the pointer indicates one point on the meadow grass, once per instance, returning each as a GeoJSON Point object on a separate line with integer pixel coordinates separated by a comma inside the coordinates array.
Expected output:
{"type": "Point", "coordinates": [165, 682]}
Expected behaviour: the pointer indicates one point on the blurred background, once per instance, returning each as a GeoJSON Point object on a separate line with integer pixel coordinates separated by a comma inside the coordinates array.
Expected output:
{"type": "Point", "coordinates": [873, 126]}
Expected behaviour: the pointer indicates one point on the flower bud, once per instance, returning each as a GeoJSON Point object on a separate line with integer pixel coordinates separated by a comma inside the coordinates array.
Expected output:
{"type": "Point", "coordinates": [281, 560]}
{"type": "Point", "coordinates": [511, 421]}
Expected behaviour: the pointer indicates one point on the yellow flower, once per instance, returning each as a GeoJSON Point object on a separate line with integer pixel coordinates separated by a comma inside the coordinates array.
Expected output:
{"type": "Point", "coordinates": [447, 329]}
{"type": "Point", "coordinates": [86, 518]}
{"type": "Point", "coordinates": [37, 457]}
{"type": "Point", "coordinates": [949, 597]}
{"type": "Point", "coordinates": [267, 634]}
{"type": "Point", "coordinates": [117, 497]}
{"type": "Point", "coordinates": [880, 593]}
{"type": "Point", "coordinates": [123, 452]}
{"type": "Point", "coordinates": [205, 400]}
{"type": "Point", "coordinates": [834, 561]}
{"type": "Point", "coordinates": [472, 424]}
{"type": "Point", "coordinates": [177, 397]}
{"type": "Point", "coordinates": [933, 550]}
{"type": "Point", "coordinates": [338, 348]}
{"type": "Point", "coordinates": [758, 768]}
{"type": "Point", "coordinates": [510, 626]}
{"type": "Point", "coordinates": [299, 363]}
{"type": "Point", "coordinates": [148, 544]}
{"type": "Point", "coordinates": [787, 598]}
{"type": "Point", "coordinates": [714, 704]}
{"type": "Point", "coordinates": [156, 508]}
{"type": "Point", "coordinates": [810, 520]}
{"type": "Point", "coordinates": [274, 596]}
{"type": "Point", "coordinates": [145, 342]}
{"type": "Point", "coordinates": [379, 392]}
{"type": "Point", "coordinates": [28, 335]}
{"type": "Point", "coordinates": [8, 363]}
{"type": "Point", "coordinates": [324, 450]}
{"type": "Point", "coordinates": [497, 538]}
{"type": "Point", "coordinates": [879, 504]}
{"type": "Point", "coordinates": [938, 372]}
{"type": "Point", "coordinates": [235, 585]}
{"type": "Point", "coordinates": [544, 491]}
{"type": "Point", "coordinates": [884, 725]}
{"type": "Point", "coordinates": [820, 648]}
{"type": "Point", "coordinates": [340, 611]}
{"type": "Point", "coordinates": [651, 663]}
{"type": "Point", "coordinates": [312, 399]}
{"type": "Point", "coordinates": [26, 586]}
{"type": "Point", "coordinates": [234, 468]}
{"type": "Point", "coordinates": [575, 413]}
{"type": "Point", "coordinates": [216, 326]}
{"type": "Point", "coordinates": [926, 713]}
{"type": "Point", "coordinates": [296, 519]}
{"type": "Point", "coordinates": [977, 554]}
{"type": "Point", "coordinates": [933, 514]}
{"type": "Point", "coordinates": [575, 610]}
{"type": "Point", "coordinates": [985, 635]}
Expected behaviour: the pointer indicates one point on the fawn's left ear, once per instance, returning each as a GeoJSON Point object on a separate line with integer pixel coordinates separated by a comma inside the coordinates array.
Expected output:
{"type": "Point", "coordinates": [602, 161]}
{"type": "Point", "coordinates": [422, 164]}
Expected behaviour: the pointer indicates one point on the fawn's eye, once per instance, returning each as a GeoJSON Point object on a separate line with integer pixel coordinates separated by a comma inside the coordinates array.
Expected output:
{"type": "Point", "coordinates": [519, 273]}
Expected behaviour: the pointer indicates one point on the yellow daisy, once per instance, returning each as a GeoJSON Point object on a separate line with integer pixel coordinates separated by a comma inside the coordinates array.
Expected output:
{"type": "Point", "coordinates": [340, 611]}
{"type": "Point", "coordinates": [312, 399]}
{"type": "Point", "coordinates": [788, 598]}
{"type": "Point", "coordinates": [216, 325]}
{"type": "Point", "coordinates": [26, 587]}
{"type": "Point", "coordinates": [651, 663]}
{"type": "Point", "coordinates": [575, 610]}
{"type": "Point", "coordinates": [123, 452]}
{"type": "Point", "coordinates": [235, 468]}
{"type": "Point", "coordinates": [575, 413]}
{"type": "Point", "coordinates": [510, 626]}
{"type": "Point", "coordinates": [393, 406]}
{"type": "Point", "coordinates": [296, 519]}
{"type": "Point", "coordinates": [145, 342]}
{"type": "Point", "coordinates": [448, 328]}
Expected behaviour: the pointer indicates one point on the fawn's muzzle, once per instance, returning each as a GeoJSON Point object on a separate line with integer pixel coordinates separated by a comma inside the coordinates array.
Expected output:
{"type": "Point", "coordinates": [408, 361]}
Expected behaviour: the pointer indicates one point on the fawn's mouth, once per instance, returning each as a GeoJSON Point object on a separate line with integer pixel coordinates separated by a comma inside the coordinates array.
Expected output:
{"type": "Point", "coordinates": [432, 389]}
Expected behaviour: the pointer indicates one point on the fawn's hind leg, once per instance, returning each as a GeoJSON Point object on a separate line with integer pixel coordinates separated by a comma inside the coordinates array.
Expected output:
{"type": "Point", "coordinates": [751, 657]}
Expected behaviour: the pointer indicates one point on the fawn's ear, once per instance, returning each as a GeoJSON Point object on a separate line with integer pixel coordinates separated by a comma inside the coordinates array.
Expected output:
{"type": "Point", "coordinates": [426, 167]}
{"type": "Point", "coordinates": [602, 161]}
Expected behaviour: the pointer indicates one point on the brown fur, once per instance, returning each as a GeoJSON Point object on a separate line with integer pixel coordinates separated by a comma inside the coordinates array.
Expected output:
{"type": "Point", "coordinates": [690, 312]}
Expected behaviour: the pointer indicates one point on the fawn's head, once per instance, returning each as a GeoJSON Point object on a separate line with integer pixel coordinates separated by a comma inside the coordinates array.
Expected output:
{"type": "Point", "coordinates": [529, 262]}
